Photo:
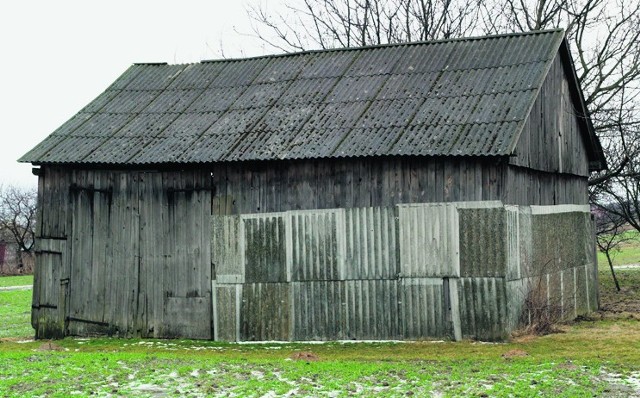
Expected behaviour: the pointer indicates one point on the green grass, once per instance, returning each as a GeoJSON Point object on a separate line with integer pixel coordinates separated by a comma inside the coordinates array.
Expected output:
{"type": "Point", "coordinates": [15, 313]}
{"type": "Point", "coordinates": [600, 358]}
{"type": "Point", "coordinates": [628, 253]}
{"type": "Point", "coordinates": [16, 280]}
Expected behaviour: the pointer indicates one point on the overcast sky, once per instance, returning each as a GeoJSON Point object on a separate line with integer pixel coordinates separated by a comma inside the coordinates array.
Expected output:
{"type": "Point", "coordinates": [59, 55]}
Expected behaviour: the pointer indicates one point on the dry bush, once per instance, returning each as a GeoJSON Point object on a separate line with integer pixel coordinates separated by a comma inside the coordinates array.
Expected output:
{"type": "Point", "coordinates": [541, 314]}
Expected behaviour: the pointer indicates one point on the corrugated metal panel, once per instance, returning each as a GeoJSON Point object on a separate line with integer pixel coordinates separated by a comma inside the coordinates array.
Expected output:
{"type": "Point", "coordinates": [239, 72]}
{"type": "Point", "coordinates": [327, 64]}
{"type": "Point", "coordinates": [154, 77]}
{"type": "Point", "coordinates": [428, 240]}
{"type": "Point", "coordinates": [320, 310]}
{"type": "Point", "coordinates": [197, 76]}
{"type": "Point", "coordinates": [226, 252]}
{"type": "Point", "coordinates": [282, 69]}
{"type": "Point", "coordinates": [173, 101]}
{"type": "Point", "coordinates": [264, 312]}
{"type": "Point", "coordinates": [372, 309]}
{"type": "Point", "coordinates": [371, 243]}
{"type": "Point", "coordinates": [453, 97]}
{"type": "Point", "coordinates": [369, 63]}
{"type": "Point", "coordinates": [422, 309]}
{"type": "Point", "coordinates": [216, 99]}
{"type": "Point", "coordinates": [483, 308]}
{"type": "Point", "coordinates": [315, 253]}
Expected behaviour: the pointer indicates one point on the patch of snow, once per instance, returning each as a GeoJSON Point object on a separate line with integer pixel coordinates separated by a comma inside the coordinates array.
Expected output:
{"type": "Point", "coordinates": [257, 374]}
{"type": "Point", "coordinates": [149, 388]}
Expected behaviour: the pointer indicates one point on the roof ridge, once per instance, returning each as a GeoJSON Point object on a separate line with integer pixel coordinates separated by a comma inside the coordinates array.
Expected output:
{"type": "Point", "coordinates": [368, 47]}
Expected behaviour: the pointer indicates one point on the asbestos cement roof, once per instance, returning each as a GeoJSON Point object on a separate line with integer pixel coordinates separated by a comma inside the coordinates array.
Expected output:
{"type": "Point", "coordinates": [464, 97]}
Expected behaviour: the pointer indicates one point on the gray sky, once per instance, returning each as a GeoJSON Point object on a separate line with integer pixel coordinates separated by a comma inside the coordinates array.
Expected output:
{"type": "Point", "coordinates": [59, 55]}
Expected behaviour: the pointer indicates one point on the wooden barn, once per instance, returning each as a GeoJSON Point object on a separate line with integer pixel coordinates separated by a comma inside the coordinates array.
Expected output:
{"type": "Point", "coordinates": [390, 192]}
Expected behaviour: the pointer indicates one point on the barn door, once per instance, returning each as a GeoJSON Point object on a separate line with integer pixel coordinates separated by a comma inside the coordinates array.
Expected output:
{"type": "Point", "coordinates": [49, 289]}
{"type": "Point", "coordinates": [103, 279]}
{"type": "Point", "coordinates": [140, 254]}
{"type": "Point", "coordinates": [175, 261]}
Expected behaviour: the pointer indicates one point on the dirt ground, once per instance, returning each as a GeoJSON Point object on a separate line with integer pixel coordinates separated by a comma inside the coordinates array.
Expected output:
{"type": "Point", "coordinates": [624, 303]}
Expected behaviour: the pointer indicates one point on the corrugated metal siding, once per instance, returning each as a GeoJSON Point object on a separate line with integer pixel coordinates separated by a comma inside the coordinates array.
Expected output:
{"type": "Point", "coordinates": [452, 97]}
{"type": "Point", "coordinates": [483, 308]}
{"type": "Point", "coordinates": [422, 309]}
{"type": "Point", "coordinates": [315, 254]}
{"type": "Point", "coordinates": [413, 271]}
{"type": "Point", "coordinates": [429, 241]}
{"type": "Point", "coordinates": [264, 311]}
{"type": "Point", "coordinates": [371, 243]}
{"type": "Point", "coordinates": [320, 310]}
{"type": "Point", "coordinates": [226, 250]}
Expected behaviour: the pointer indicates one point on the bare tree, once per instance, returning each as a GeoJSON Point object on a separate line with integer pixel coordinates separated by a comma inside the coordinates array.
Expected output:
{"type": "Point", "coordinates": [610, 234]}
{"type": "Point", "coordinates": [18, 218]}
{"type": "Point", "coordinates": [308, 24]}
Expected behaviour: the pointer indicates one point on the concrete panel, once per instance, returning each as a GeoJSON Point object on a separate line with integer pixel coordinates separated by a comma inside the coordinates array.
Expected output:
{"type": "Point", "coordinates": [429, 244]}
{"type": "Point", "coordinates": [483, 242]}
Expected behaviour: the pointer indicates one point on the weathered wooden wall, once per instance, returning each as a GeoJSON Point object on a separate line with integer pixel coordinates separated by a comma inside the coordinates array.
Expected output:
{"type": "Point", "coordinates": [532, 187]}
{"type": "Point", "coordinates": [128, 252]}
{"type": "Point", "coordinates": [244, 188]}
{"type": "Point", "coordinates": [457, 270]}
{"type": "Point", "coordinates": [123, 253]}
{"type": "Point", "coordinates": [552, 139]}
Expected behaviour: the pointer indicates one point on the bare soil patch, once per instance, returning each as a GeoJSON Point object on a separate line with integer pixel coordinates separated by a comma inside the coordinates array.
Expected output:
{"type": "Point", "coordinates": [515, 353]}
{"type": "Point", "coordinates": [304, 356]}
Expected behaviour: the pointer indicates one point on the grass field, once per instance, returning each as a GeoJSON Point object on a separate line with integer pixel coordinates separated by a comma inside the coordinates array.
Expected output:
{"type": "Point", "coordinates": [595, 357]}
{"type": "Point", "coordinates": [16, 280]}
{"type": "Point", "coordinates": [628, 253]}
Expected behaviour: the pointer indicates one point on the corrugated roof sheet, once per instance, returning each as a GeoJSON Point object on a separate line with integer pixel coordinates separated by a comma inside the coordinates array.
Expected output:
{"type": "Point", "coordinates": [453, 97]}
